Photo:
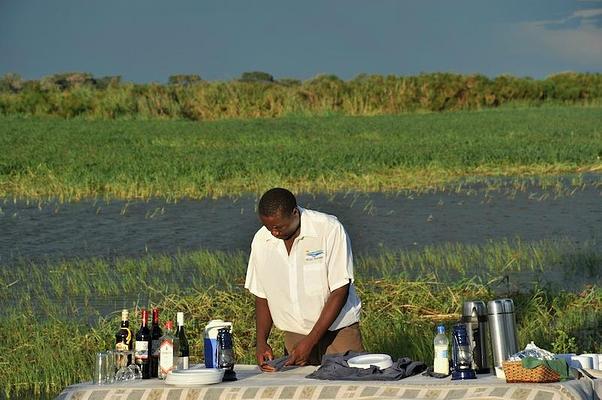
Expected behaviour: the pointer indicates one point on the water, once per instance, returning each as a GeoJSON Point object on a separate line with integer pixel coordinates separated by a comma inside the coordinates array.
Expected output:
{"type": "Point", "coordinates": [52, 231]}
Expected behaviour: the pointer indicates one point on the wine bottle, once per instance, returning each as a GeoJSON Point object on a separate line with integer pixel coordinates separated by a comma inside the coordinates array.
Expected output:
{"type": "Point", "coordinates": [184, 351]}
{"type": "Point", "coordinates": [123, 338]}
{"type": "Point", "coordinates": [156, 334]}
{"type": "Point", "coordinates": [143, 346]}
{"type": "Point", "coordinates": [167, 351]}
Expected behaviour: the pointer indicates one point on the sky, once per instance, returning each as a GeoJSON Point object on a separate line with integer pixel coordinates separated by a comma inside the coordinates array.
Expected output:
{"type": "Point", "coordinates": [149, 40]}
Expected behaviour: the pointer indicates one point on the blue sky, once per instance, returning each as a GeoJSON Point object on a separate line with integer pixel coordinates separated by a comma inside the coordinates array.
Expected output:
{"type": "Point", "coordinates": [149, 40]}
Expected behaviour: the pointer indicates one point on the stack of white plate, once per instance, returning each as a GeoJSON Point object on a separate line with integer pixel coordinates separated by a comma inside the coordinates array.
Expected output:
{"type": "Point", "coordinates": [194, 376]}
{"type": "Point", "coordinates": [382, 361]}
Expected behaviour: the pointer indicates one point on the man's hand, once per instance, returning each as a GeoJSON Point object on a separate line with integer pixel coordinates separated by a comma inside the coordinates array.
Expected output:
{"type": "Point", "coordinates": [301, 354]}
{"type": "Point", "coordinates": [264, 353]}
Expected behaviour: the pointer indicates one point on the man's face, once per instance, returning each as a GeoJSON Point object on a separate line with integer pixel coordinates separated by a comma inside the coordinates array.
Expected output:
{"type": "Point", "coordinates": [280, 225]}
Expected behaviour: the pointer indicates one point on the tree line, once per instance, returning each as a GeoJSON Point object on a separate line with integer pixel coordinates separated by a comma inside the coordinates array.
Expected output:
{"type": "Point", "coordinates": [258, 94]}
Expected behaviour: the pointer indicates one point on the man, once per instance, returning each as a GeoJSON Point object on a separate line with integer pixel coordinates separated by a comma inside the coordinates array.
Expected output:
{"type": "Point", "coordinates": [301, 273]}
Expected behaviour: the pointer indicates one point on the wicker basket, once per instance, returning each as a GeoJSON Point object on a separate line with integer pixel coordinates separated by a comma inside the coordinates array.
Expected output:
{"type": "Point", "coordinates": [516, 373]}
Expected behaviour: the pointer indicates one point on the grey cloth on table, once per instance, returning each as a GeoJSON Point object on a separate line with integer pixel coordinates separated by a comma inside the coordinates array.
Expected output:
{"type": "Point", "coordinates": [277, 363]}
{"type": "Point", "coordinates": [335, 367]}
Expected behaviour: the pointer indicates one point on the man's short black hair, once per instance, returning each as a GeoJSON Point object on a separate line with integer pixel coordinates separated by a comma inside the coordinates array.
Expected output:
{"type": "Point", "coordinates": [277, 200]}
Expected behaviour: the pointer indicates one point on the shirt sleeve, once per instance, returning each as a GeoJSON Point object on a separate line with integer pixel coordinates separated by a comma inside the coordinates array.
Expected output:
{"type": "Point", "coordinates": [339, 258]}
{"type": "Point", "coordinates": [252, 283]}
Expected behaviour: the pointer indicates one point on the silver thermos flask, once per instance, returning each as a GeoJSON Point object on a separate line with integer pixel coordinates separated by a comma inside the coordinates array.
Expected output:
{"type": "Point", "coordinates": [474, 316]}
{"type": "Point", "coordinates": [502, 325]}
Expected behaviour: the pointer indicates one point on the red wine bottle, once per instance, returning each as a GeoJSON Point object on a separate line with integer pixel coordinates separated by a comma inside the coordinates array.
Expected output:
{"type": "Point", "coordinates": [143, 346]}
{"type": "Point", "coordinates": [155, 350]}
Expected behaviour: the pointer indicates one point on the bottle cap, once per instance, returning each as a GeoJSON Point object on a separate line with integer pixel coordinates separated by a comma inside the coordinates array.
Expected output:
{"type": "Point", "coordinates": [169, 325]}
{"type": "Point", "coordinates": [440, 329]}
{"type": "Point", "coordinates": [125, 314]}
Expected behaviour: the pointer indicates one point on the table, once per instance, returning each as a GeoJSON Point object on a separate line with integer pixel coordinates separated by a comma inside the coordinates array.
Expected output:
{"type": "Point", "coordinates": [292, 385]}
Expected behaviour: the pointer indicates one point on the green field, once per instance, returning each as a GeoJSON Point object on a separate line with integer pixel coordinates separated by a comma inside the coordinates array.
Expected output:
{"type": "Point", "coordinates": [75, 159]}
{"type": "Point", "coordinates": [404, 293]}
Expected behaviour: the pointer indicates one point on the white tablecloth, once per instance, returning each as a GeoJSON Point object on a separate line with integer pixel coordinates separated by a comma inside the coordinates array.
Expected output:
{"type": "Point", "coordinates": [292, 385]}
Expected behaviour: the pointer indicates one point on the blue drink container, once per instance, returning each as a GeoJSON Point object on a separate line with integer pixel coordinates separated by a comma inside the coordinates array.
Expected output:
{"type": "Point", "coordinates": [210, 341]}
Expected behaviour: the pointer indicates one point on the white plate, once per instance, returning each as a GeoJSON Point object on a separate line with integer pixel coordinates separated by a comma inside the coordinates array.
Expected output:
{"type": "Point", "coordinates": [195, 377]}
{"type": "Point", "coordinates": [382, 361]}
{"type": "Point", "coordinates": [197, 371]}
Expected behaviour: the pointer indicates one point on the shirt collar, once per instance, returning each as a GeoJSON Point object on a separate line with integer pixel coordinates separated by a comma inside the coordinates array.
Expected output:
{"type": "Point", "coordinates": [307, 228]}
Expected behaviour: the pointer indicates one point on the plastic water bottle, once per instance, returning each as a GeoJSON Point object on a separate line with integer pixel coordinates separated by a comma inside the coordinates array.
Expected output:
{"type": "Point", "coordinates": [441, 360]}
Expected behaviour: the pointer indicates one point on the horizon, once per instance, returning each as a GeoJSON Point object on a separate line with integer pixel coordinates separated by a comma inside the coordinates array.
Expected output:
{"type": "Point", "coordinates": [149, 41]}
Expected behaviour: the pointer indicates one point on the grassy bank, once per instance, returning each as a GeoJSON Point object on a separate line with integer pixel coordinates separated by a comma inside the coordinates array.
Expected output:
{"type": "Point", "coordinates": [404, 293]}
{"type": "Point", "coordinates": [74, 159]}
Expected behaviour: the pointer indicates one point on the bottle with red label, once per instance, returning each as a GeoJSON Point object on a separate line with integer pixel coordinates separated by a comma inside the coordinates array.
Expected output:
{"type": "Point", "coordinates": [168, 351]}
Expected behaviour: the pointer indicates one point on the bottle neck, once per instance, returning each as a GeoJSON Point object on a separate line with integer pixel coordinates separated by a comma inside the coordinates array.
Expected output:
{"type": "Point", "coordinates": [125, 324]}
{"type": "Point", "coordinates": [155, 317]}
{"type": "Point", "coordinates": [144, 318]}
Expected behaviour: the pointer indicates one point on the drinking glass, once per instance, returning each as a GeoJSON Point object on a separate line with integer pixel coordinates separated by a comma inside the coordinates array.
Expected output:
{"type": "Point", "coordinates": [104, 368]}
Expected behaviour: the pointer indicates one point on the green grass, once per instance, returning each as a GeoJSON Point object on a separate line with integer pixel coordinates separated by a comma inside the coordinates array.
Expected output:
{"type": "Point", "coordinates": [404, 294]}
{"type": "Point", "coordinates": [84, 281]}
{"type": "Point", "coordinates": [399, 317]}
{"type": "Point", "coordinates": [75, 159]}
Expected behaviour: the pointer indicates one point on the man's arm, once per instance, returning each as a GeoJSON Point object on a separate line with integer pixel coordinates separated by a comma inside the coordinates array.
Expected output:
{"type": "Point", "coordinates": [263, 326]}
{"type": "Point", "coordinates": [335, 302]}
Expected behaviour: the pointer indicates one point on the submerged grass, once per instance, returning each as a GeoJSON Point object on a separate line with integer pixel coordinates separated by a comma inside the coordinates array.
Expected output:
{"type": "Point", "coordinates": [74, 159]}
{"type": "Point", "coordinates": [504, 262]}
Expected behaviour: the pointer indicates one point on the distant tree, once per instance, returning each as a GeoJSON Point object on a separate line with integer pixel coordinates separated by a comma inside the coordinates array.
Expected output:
{"type": "Point", "coordinates": [289, 82]}
{"type": "Point", "coordinates": [67, 80]}
{"type": "Point", "coordinates": [184, 79]}
{"type": "Point", "coordinates": [107, 81]}
{"type": "Point", "coordinates": [256, 76]}
{"type": "Point", "coordinates": [11, 82]}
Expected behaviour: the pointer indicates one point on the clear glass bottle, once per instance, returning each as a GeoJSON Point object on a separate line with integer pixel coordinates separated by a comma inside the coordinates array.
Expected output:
{"type": "Point", "coordinates": [168, 351]}
{"type": "Point", "coordinates": [441, 359]}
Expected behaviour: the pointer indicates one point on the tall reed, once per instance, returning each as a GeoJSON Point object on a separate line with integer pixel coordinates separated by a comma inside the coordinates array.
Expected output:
{"type": "Point", "coordinates": [74, 95]}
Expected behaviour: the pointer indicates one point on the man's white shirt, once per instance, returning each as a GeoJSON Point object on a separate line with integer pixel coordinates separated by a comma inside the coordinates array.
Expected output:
{"type": "Point", "coordinates": [297, 286]}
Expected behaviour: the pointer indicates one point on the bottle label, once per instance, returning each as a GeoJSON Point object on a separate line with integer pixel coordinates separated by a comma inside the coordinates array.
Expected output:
{"type": "Point", "coordinates": [121, 346]}
{"type": "Point", "coordinates": [166, 363]}
{"type": "Point", "coordinates": [141, 350]}
{"type": "Point", "coordinates": [441, 352]}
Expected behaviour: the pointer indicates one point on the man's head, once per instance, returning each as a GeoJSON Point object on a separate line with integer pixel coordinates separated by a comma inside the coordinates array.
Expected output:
{"type": "Point", "coordinates": [278, 212]}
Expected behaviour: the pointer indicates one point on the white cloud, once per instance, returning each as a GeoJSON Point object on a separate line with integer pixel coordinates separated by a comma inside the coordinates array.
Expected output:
{"type": "Point", "coordinates": [591, 13]}
{"type": "Point", "coordinates": [579, 44]}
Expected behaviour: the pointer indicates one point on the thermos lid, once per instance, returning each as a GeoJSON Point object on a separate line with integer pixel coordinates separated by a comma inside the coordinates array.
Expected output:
{"type": "Point", "coordinates": [500, 306]}
{"type": "Point", "coordinates": [476, 305]}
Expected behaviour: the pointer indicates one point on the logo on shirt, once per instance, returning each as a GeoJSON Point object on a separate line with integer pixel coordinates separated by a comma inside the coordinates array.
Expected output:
{"type": "Point", "coordinates": [313, 255]}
